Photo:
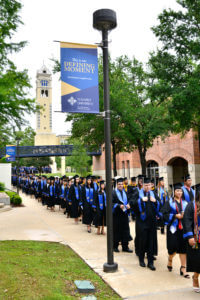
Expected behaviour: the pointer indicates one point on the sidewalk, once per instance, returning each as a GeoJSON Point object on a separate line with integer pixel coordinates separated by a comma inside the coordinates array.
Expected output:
{"type": "Point", "coordinates": [35, 222]}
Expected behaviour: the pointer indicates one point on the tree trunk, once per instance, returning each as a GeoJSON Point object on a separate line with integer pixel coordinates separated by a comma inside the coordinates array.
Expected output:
{"type": "Point", "coordinates": [142, 153]}
{"type": "Point", "coordinates": [114, 158]}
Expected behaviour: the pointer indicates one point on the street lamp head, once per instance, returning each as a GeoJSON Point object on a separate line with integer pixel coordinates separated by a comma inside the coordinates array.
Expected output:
{"type": "Point", "coordinates": [104, 19]}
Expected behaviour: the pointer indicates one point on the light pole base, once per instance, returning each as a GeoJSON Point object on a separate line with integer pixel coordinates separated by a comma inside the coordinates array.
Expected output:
{"type": "Point", "coordinates": [110, 268]}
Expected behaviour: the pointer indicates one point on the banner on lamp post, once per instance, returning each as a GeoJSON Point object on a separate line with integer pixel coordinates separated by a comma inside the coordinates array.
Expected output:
{"type": "Point", "coordinates": [79, 78]}
{"type": "Point", "coordinates": [10, 153]}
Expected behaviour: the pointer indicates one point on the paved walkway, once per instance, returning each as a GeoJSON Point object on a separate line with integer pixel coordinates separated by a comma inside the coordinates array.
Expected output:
{"type": "Point", "coordinates": [35, 222]}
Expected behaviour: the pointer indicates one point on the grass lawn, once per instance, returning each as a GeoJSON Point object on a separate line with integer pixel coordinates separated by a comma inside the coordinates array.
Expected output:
{"type": "Point", "coordinates": [43, 270]}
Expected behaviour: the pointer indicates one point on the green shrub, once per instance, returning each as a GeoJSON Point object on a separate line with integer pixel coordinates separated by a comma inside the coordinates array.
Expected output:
{"type": "Point", "coordinates": [2, 187]}
{"type": "Point", "coordinates": [15, 199]}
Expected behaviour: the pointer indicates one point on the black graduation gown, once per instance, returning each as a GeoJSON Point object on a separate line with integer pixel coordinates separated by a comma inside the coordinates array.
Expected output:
{"type": "Point", "coordinates": [146, 229]}
{"type": "Point", "coordinates": [121, 229]}
{"type": "Point", "coordinates": [100, 214]}
{"type": "Point", "coordinates": [66, 194]}
{"type": "Point", "coordinates": [75, 203]}
{"type": "Point", "coordinates": [175, 241]}
{"type": "Point", "coordinates": [88, 207]}
{"type": "Point", "coordinates": [193, 254]}
{"type": "Point", "coordinates": [50, 198]}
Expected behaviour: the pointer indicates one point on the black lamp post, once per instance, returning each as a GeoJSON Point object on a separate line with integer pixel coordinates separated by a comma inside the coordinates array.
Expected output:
{"type": "Point", "coordinates": [18, 139]}
{"type": "Point", "coordinates": [105, 20]}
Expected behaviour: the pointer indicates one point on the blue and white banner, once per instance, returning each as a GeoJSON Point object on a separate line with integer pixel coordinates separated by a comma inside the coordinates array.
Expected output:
{"type": "Point", "coordinates": [79, 78]}
{"type": "Point", "coordinates": [10, 153]}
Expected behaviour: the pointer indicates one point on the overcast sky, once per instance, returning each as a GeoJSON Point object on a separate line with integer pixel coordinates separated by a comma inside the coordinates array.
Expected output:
{"type": "Point", "coordinates": [71, 21]}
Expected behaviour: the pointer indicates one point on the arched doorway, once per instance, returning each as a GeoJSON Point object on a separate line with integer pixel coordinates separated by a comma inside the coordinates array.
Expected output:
{"type": "Point", "coordinates": [153, 170]}
{"type": "Point", "coordinates": [177, 168]}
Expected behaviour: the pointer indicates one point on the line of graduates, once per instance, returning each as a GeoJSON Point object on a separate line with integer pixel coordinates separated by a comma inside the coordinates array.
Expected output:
{"type": "Point", "coordinates": [150, 207]}
{"type": "Point", "coordinates": [79, 197]}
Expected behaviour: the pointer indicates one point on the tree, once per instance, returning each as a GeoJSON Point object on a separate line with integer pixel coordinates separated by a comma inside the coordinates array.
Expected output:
{"type": "Point", "coordinates": [14, 84]}
{"type": "Point", "coordinates": [175, 67]}
{"type": "Point", "coordinates": [79, 160]}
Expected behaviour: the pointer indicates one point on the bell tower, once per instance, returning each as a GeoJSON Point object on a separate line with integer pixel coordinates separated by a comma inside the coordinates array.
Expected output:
{"type": "Point", "coordinates": [44, 99]}
{"type": "Point", "coordinates": [44, 135]}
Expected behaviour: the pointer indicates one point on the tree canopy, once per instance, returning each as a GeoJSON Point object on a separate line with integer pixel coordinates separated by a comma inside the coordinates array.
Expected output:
{"type": "Point", "coordinates": [14, 84]}
{"type": "Point", "coordinates": [175, 68]}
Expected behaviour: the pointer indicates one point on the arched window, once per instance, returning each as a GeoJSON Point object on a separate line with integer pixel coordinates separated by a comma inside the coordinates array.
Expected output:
{"type": "Point", "coordinates": [46, 93]}
{"type": "Point", "coordinates": [153, 170]}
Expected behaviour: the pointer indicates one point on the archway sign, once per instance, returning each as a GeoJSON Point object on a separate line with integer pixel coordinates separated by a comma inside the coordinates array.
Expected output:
{"type": "Point", "coordinates": [39, 151]}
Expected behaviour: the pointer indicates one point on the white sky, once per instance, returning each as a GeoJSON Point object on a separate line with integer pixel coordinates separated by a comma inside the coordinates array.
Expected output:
{"type": "Point", "coordinates": [71, 21]}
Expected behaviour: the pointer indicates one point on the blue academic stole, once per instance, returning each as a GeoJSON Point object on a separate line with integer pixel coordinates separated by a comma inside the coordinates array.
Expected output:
{"type": "Point", "coordinates": [95, 186]}
{"type": "Point", "coordinates": [122, 198]}
{"type": "Point", "coordinates": [185, 191]}
{"type": "Point", "coordinates": [42, 184]}
{"type": "Point", "coordinates": [173, 212]}
{"type": "Point", "coordinates": [76, 192]}
{"type": "Point", "coordinates": [89, 195]}
{"type": "Point", "coordinates": [62, 190]}
{"type": "Point", "coordinates": [51, 190]}
{"type": "Point", "coordinates": [162, 192]}
{"type": "Point", "coordinates": [100, 197]}
{"type": "Point", "coordinates": [142, 212]}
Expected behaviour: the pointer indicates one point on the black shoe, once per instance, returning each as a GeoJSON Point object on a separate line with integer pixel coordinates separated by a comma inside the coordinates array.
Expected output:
{"type": "Point", "coordinates": [115, 249]}
{"type": "Point", "coordinates": [151, 267]}
{"type": "Point", "coordinates": [162, 230]}
{"type": "Point", "coordinates": [142, 264]}
{"type": "Point", "coordinates": [127, 250]}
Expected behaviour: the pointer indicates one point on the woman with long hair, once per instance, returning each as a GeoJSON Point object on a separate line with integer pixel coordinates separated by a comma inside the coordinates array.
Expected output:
{"type": "Point", "coordinates": [74, 199]}
{"type": "Point", "coordinates": [88, 203]}
{"type": "Point", "coordinates": [100, 208]}
{"type": "Point", "coordinates": [173, 212]}
{"type": "Point", "coordinates": [192, 234]}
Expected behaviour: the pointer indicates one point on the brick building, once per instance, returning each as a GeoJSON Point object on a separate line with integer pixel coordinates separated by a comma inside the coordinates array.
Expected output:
{"type": "Point", "coordinates": [172, 158]}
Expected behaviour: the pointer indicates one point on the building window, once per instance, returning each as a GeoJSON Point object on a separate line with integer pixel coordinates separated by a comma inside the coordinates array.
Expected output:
{"type": "Point", "coordinates": [46, 93]}
{"type": "Point", "coordinates": [44, 82]}
{"type": "Point", "coordinates": [153, 171]}
{"type": "Point", "coordinates": [45, 128]}
{"type": "Point", "coordinates": [123, 169]}
{"type": "Point", "coordinates": [128, 168]}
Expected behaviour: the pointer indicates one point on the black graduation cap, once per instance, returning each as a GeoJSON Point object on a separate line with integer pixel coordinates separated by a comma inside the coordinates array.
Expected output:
{"type": "Point", "coordinates": [52, 178]}
{"type": "Point", "coordinates": [147, 180]}
{"type": "Point", "coordinates": [120, 179]}
{"type": "Point", "coordinates": [39, 177]}
{"type": "Point", "coordinates": [177, 186]}
{"type": "Point", "coordinates": [152, 180]}
{"type": "Point", "coordinates": [125, 178]}
{"type": "Point", "coordinates": [88, 177]}
{"type": "Point", "coordinates": [93, 177]}
{"type": "Point", "coordinates": [76, 176]}
{"type": "Point", "coordinates": [133, 178]}
{"type": "Point", "coordinates": [98, 177]}
{"type": "Point", "coordinates": [102, 182]}
{"type": "Point", "coordinates": [186, 177]}
{"type": "Point", "coordinates": [160, 178]}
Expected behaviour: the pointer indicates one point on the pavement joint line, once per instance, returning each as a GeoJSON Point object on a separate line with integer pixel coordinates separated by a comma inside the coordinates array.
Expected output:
{"type": "Point", "coordinates": [158, 293]}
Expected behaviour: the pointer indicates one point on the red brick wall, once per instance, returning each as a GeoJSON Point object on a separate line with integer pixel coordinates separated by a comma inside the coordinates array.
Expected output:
{"type": "Point", "coordinates": [162, 152]}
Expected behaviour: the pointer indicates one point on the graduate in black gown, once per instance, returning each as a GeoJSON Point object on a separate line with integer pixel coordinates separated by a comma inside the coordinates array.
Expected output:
{"type": "Point", "coordinates": [173, 212]}
{"type": "Point", "coordinates": [74, 199]}
{"type": "Point", "coordinates": [188, 192]}
{"type": "Point", "coordinates": [191, 227]}
{"type": "Point", "coordinates": [51, 195]}
{"type": "Point", "coordinates": [100, 208]}
{"type": "Point", "coordinates": [88, 193]}
{"type": "Point", "coordinates": [121, 207]}
{"type": "Point", "coordinates": [163, 195]}
{"type": "Point", "coordinates": [146, 208]}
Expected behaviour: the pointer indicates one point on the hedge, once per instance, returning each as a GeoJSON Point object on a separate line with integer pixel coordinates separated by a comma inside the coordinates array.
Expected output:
{"type": "Point", "coordinates": [15, 199]}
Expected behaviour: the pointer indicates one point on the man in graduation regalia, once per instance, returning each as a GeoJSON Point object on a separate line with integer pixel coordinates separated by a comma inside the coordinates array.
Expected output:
{"type": "Point", "coordinates": [121, 230]}
{"type": "Point", "coordinates": [188, 192]}
{"type": "Point", "coordinates": [146, 208]}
